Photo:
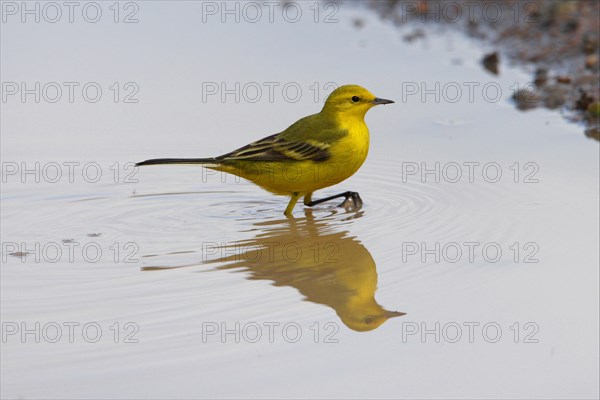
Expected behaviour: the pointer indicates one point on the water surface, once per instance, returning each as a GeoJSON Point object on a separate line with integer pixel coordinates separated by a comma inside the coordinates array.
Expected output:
{"type": "Point", "coordinates": [213, 293]}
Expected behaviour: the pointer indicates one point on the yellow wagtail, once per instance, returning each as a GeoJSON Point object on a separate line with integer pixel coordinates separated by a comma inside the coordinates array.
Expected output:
{"type": "Point", "coordinates": [315, 152]}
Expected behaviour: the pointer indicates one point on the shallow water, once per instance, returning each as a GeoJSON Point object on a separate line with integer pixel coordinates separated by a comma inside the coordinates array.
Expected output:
{"type": "Point", "coordinates": [193, 284]}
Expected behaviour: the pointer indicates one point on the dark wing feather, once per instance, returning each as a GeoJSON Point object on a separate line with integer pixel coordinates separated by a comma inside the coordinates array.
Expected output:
{"type": "Point", "coordinates": [277, 148]}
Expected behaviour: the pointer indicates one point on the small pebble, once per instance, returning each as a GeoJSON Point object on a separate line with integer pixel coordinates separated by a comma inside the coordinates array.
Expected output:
{"type": "Point", "coordinates": [526, 99]}
{"type": "Point", "coordinates": [490, 62]}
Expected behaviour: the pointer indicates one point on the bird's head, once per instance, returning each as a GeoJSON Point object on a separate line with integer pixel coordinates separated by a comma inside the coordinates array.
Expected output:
{"type": "Point", "coordinates": [363, 322]}
{"type": "Point", "coordinates": [361, 312]}
{"type": "Point", "coordinates": [352, 100]}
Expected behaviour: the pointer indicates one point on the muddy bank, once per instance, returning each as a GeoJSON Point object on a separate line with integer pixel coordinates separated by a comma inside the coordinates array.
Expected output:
{"type": "Point", "coordinates": [559, 39]}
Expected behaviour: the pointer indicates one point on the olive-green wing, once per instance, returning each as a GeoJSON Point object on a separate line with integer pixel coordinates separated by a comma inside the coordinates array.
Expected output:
{"type": "Point", "coordinates": [307, 139]}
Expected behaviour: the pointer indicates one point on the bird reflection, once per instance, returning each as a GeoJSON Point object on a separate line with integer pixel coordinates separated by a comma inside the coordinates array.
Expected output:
{"type": "Point", "coordinates": [326, 266]}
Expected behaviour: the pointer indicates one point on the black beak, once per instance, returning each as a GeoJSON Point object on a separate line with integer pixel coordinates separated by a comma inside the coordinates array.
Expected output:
{"type": "Point", "coordinates": [382, 101]}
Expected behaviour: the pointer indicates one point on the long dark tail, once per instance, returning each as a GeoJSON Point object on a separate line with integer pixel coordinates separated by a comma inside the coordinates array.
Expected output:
{"type": "Point", "coordinates": [157, 161]}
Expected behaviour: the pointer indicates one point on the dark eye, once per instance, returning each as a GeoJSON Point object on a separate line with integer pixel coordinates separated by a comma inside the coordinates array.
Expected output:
{"type": "Point", "coordinates": [368, 320]}
{"type": "Point", "coordinates": [355, 99]}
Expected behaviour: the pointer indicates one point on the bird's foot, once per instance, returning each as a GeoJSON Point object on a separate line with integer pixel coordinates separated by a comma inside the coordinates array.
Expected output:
{"type": "Point", "coordinates": [352, 202]}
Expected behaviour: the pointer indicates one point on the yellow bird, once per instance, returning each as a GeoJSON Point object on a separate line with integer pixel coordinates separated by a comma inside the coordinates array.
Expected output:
{"type": "Point", "coordinates": [326, 266]}
{"type": "Point", "coordinates": [315, 152]}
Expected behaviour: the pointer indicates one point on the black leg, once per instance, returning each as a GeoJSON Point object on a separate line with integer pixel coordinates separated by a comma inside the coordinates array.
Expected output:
{"type": "Point", "coordinates": [348, 197]}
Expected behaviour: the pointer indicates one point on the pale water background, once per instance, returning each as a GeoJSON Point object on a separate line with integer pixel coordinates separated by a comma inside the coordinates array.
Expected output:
{"type": "Point", "coordinates": [178, 216]}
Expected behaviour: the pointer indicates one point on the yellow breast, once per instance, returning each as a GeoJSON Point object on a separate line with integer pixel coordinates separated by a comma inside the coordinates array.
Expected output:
{"type": "Point", "coordinates": [351, 151]}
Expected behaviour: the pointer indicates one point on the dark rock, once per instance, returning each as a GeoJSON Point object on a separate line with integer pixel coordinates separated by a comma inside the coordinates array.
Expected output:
{"type": "Point", "coordinates": [593, 133]}
{"type": "Point", "coordinates": [414, 35]}
{"type": "Point", "coordinates": [589, 44]}
{"type": "Point", "coordinates": [490, 62]}
{"type": "Point", "coordinates": [358, 23]}
{"type": "Point", "coordinates": [541, 77]}
{"type": "Point", "coordinates": [555, 97]}
{"type": "Point", "coordinates": [526, 99]}
{"type": "Point", "coordinates": [584, 101]}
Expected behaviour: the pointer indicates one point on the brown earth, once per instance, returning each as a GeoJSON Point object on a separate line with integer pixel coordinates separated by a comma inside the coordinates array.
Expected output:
{"type": "Point", "coordinates": [560, 39]}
